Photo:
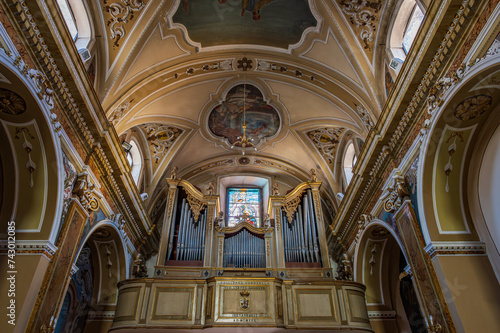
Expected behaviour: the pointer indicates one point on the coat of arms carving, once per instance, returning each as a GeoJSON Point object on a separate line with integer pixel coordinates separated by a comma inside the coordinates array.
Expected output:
{"type": "Point", "coordinates": [244, 301]}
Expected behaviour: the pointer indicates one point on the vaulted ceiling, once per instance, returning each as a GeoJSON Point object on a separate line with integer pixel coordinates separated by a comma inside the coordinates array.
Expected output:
{"type": "Point", "coordinates": [169, 69]}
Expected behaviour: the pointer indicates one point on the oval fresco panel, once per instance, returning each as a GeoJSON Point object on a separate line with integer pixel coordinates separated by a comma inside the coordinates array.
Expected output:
{"type": "Point", "coordinates": [226, 119]}
{"type": "Point", "coordinates": [277, 23]}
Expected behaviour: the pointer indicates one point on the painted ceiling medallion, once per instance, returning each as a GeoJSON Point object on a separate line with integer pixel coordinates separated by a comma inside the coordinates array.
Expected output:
{"type": "Point", "coordinates": [472, 107]}
{"type": "Point", "coordinates": [262, 120]}
{"type": "Point", "coordinates": [160, 138]}
{"type": "Point", "coordinates": [326, 140]}
{"type": "Point", "coordinates": [11, 103]}
{"type": "Point", "coordinates": [275, 23]}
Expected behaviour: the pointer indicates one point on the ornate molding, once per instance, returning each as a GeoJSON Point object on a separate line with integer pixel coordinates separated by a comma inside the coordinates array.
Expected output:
{"type": "Point", "coordinates": [395, 193]}
{"type": "Point", "coordinates": [45, 248]}
{"type": "Point", "coordinates": [382, 314]}
{"type": "Point", "coordinates": [101, 315]}
{"type": "Point", "coordinates": [86, 191]}
{"type": "Point", "coordinates": [363, 222]}
{"type": "Point", "coordinates": [290, 206]}
{"type": "Point", "coordinates": [196, 206]}
{"type": "Point", "coordinates": [455, 248]}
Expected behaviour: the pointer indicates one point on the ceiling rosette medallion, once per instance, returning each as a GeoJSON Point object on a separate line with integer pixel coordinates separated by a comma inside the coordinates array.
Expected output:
{"type": "Point", "coordinates": [160, 139]}
{"type": "Point", "coordinates": [326, 140]}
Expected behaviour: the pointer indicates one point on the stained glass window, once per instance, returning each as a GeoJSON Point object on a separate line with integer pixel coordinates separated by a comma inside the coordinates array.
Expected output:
{"type": "Point", "coordinates": [243, 204]}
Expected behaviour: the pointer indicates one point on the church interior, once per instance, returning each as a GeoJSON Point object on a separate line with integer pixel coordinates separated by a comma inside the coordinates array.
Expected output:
{"type": "Point", "coordinates": [250, 166]}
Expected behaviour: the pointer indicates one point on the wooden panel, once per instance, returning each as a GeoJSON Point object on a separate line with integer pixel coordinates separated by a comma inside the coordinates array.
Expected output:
{"type": "Point", "coordinates": [315, 305]}
{"type": "Point", "coordinates": [357, 306]}
{"type": "Point", "coordinates": [127, 306]}
{"type": "Point", "coordinates": [173, 304]}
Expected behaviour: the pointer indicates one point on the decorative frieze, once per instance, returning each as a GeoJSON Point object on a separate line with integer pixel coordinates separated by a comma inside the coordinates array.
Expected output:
{"type": "Point", "coordinates": [455, 248]}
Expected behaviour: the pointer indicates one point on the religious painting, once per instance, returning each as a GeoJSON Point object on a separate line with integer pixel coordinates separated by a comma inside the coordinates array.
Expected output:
{"type": "Point", "coordinates": [243, 206]}
{"type": "Point", "coordinates": [226, 119]}
{"type": "Point", "coordinates": [276, 23]}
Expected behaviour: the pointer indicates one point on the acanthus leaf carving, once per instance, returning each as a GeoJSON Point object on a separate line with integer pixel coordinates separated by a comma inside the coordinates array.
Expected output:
{"type": "Point", "coordinates": [290, 206]}
{"type": "Point", "coordinates": [196, 206]}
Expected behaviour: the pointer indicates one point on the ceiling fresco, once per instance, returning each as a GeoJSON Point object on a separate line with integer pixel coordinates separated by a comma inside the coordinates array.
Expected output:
{"type": "Point", "coordinates": [276, 23]}
{"type": "Point", "coordinates": [226, 119]}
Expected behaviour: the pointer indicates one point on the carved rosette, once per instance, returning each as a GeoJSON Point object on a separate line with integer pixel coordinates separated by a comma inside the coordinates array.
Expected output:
{"type": "Point", "coordinates": [196, 206]}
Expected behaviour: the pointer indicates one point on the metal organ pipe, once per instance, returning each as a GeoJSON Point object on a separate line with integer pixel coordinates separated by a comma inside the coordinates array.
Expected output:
{"type": "Point", "coordinates": [300, 237]}
{"type": "Point", "coordinates": [191, 235]}
{"type": "Point", "coordinates": [244, 250]}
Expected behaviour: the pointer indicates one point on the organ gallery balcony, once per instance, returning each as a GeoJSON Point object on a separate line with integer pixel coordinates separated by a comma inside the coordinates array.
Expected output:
{"type": "Point", "coordinates": [274, 273]}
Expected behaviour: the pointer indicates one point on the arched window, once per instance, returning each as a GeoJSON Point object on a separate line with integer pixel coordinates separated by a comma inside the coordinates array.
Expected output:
{"type": "Point", "coordinates": [68, 17]}
{"type": "Point", "coordinates": [134, 158]}
{"type": "Point", "coordinates": [77, 21]}
{"type": "Point", "coordinates": [405, 28]}
{"type": "Point", "coordinates": [349, 161]}
{"type": "Point", "coordinates": [412, 26]}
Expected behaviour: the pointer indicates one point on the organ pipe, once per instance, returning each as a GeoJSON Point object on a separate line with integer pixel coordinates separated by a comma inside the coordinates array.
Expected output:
{"type": "Point", "coordinates": [300, 236]}
{"type": "Point", "coordinates": [244, 250]}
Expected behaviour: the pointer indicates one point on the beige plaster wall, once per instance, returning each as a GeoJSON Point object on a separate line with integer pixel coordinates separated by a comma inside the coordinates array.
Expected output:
{"type": "Point", "coordinates": [473, 288]}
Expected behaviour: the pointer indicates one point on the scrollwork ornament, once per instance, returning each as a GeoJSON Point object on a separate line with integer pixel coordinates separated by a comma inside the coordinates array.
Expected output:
{"type": "Point", "coordinates": [396, 193]}
{"type": "Point", "coordinates": [121, 13]}
{"type": "Point", "coordinates": [196, 206]}
{"type": "Point", "coordinates": [290, 207]}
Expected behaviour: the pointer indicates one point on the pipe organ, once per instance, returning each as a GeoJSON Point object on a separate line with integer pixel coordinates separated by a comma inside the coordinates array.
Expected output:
{"type": "Point", "coordinates": [209, 274]}
{"type": "Point", "coordinates": [244, 250]}
{"type": "Point", "coordinates": [190, 235]}
{"type": "Point", "coordinates": [300, 235]}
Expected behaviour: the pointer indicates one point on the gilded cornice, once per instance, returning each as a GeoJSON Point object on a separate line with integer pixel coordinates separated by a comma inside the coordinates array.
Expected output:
{"type": "Point", "coordinates": [430, 57]}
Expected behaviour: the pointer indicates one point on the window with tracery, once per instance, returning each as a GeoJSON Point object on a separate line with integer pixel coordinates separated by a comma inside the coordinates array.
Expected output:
{"type": "Point", "coordinates": [243, 204]}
